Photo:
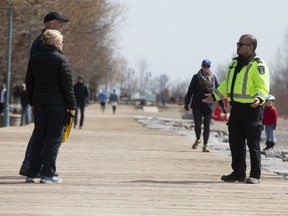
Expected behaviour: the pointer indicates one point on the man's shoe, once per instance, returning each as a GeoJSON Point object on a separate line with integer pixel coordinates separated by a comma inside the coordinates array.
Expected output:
{"type": "Point", "coordinates": [251, 180]}
{"type": "Point", "coordinates": [205, 149]}
{"type": "Point", "coordinates": [49, 180]}
{"type": "Point", "coordinates": [30, 180]}
{"type": "Point", "coordinates": [196, 143]}
{"type": "Point", "coordinates": [232, 178]}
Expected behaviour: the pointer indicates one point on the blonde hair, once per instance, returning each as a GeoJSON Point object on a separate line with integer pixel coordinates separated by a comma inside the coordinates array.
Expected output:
{"type": "Point", "coordinates": [52, 37]}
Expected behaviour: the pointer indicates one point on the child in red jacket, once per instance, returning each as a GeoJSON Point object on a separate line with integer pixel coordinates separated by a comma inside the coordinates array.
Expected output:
{"type": "Point", "coordinates": [270, 121]}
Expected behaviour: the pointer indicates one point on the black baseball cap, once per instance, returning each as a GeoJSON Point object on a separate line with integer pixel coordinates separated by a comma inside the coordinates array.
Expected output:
{"type": "Point", "coordinates": [53, 15]}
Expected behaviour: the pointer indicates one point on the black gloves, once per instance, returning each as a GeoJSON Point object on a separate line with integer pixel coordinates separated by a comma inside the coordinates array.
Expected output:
{"type": "Point", "coordinates": [224, 110]}
{"type": "Point", "coordinates": [186, 107]}
{"type": "Point", "coordinates": [274, 128]}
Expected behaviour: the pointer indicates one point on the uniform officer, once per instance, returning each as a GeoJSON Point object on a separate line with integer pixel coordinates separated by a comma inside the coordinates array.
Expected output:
{"type": "Point", "coordinates": [246, 85]}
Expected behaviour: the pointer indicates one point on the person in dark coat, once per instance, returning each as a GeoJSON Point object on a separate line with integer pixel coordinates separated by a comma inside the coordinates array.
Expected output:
{"type": "Point", "coordinates": [202, 83]}
{"type": "Point", "coordinates": [2, 97]}
{"type": "Point", "coordinates": [82, 96]}
{"type": "Point", "coordinates": [52, 20]}
{"type": "Point", "coordinates": [50, 88]}
{"type": "Point", "coordinates": [114, 101]}
{"type": "Point", "coordinates": [25, 108]}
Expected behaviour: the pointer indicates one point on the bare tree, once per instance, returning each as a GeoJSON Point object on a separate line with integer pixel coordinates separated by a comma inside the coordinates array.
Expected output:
{"type": "Point", "coordinates": [90, 35]}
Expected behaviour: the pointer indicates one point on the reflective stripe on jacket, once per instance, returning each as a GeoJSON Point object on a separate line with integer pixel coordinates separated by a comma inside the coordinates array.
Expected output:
{"type": "Point", "coordinates": [252, 81]}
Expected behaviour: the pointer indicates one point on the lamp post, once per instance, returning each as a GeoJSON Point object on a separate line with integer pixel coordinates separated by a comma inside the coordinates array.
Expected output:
{"type": "Point", "coordinates": [7, 104]}
{"type": "Point", "coordinates": [131, 72]}
{"type": "Point", "coordinates": [108, 73]}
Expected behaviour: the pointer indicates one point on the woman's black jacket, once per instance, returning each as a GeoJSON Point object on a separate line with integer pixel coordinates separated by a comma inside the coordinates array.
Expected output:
{"type": "Point", "coordinates": [49, 79]}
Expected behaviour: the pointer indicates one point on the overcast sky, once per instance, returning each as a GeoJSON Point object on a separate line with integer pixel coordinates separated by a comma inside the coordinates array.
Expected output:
{"type": "Point", "coordinates": [174, 36]}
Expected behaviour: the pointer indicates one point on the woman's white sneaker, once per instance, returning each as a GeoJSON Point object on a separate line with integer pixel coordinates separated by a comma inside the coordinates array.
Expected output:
{"type": "Point", "coordinates": [49, 180]}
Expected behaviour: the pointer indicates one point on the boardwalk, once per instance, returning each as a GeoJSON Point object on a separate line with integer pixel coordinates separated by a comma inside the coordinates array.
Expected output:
{"type": "Point", "coordinates": [114, 166]}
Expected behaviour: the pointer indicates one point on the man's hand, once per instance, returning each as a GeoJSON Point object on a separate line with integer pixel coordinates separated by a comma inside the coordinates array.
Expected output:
{"type": "Point", "coordinates": [208, 99]}
{"type": "Point", "coordinates": [224, 110]}
{"type": "Point", "coordinates": [186, 107]}
{"type": "Point", "coordinates": [256, 103]}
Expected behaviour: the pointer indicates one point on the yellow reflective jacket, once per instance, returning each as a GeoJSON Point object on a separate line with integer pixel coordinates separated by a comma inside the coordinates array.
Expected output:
{"type": "Point", "coordinates": [252, 81]}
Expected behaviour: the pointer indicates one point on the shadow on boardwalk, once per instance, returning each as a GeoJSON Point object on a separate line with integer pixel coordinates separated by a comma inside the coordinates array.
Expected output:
{"type": "Point", "coordinates": [115, 166]}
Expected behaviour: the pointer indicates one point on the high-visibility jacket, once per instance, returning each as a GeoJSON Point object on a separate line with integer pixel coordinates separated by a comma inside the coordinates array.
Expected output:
{"type": "Point", "coordinates": [252, 81]}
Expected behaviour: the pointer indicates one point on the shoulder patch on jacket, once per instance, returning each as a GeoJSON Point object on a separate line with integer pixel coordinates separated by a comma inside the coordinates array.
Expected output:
{"type": "Point", "coordinates": [258, 60]}
{"type": "Point", "coordinates": [261, 69]}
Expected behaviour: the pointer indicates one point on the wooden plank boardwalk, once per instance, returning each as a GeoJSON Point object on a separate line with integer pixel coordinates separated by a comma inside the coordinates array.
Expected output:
{"type": "Point", "coordinates": [114, 166]}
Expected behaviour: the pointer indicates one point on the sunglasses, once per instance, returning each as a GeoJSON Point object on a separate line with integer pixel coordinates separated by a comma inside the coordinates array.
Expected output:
{"type": "Point", "coordinates": [206, 66]}
{"type": "Point", "coordinates": [240, 44]}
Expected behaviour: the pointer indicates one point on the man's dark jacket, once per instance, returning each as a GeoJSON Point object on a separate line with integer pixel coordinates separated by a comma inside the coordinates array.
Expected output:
{"type": "Point", "coordinates": [49, 79]}
{"type": "Point", "coordinates": [38, 44]}
{"type": "Point", "coordinates": [81, 93]}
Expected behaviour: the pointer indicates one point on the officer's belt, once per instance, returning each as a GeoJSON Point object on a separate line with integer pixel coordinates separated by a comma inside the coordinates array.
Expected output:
{"type": "Point", "coordinates": [237, 104]}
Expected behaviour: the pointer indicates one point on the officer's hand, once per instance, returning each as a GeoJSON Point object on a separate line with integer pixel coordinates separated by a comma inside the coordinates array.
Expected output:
{"type": "Point", "coordinates": [256, 103]}
{"type": "Point", "coordinates": [186, 107]}
{"type": "Point", "coordinates": [224, 110]}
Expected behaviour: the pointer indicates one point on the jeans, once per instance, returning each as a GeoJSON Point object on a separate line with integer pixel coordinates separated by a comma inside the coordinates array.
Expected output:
{"type": "Point", "coordinates": [81, 108]}
{"type": "Point", "coordinates": [269, 131]}
{"type": "Point", "coordinates": [25, 115]}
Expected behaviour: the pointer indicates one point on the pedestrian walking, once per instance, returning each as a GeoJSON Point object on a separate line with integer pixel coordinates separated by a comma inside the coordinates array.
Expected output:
{"type": "Point", "coordinates": [203, 82]}
{"type": "Point", "coordinates": [25, 107]}
{"type": "Point", "coordinates": [2, 96]}
{"type": "Point", "coordinates": [270, 117]}
{"type": "Point", "coordinates": [246, 86]}
{"type": "Point", "coordinates": [102, 100]}
{"type": "Point", "coordinates": [82, 96]}
{"type": "Point", "coordinates": [114, 101]}
{"type": "Point", "coordinates": [50, 87]}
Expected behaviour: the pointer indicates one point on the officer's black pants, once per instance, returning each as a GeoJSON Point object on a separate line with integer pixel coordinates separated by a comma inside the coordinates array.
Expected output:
{"type": "Point", "coordinates": [245, 126]}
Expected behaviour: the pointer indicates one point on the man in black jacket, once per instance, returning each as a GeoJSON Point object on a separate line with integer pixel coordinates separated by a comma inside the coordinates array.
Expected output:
{"type": "Point", "coordinates": [82, 96]}
{"type": "Point", "coordinates": [52, 20]}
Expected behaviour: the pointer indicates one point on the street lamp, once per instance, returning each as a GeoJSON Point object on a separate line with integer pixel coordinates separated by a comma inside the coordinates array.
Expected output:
{"type": "Point", "coordinates": [131, 72]}
{"type": "Point", "coordinates": [7, 104]}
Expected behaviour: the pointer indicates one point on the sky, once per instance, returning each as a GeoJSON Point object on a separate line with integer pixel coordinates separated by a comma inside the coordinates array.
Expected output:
{"type": "Point", "coordinates": [174, 36]}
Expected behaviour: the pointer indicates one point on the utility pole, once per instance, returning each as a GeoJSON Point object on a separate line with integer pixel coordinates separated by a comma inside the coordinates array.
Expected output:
{"type": "Point", "coordinates": [7, 104]}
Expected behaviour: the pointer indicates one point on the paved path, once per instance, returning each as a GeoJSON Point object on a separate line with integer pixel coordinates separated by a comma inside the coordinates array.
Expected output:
{"type": "Point", "coordinates": [114, 166]}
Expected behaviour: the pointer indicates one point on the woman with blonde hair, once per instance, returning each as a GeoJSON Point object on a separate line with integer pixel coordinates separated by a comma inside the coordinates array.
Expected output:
{"type": "Point", "coordinates": [50, 88]}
